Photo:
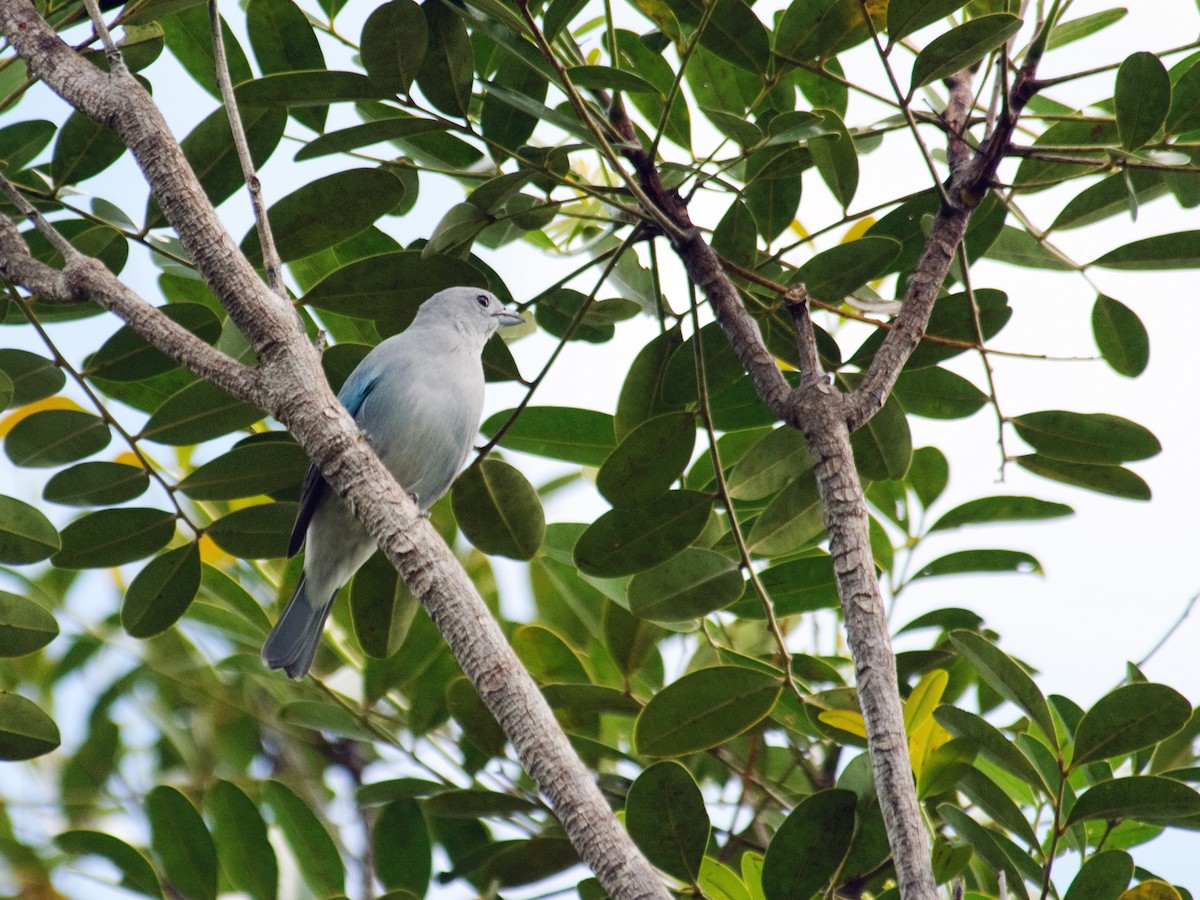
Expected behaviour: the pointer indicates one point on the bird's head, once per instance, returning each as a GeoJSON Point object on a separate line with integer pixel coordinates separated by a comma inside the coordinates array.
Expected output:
{"type": "Point", "coordinates": [469, 310]}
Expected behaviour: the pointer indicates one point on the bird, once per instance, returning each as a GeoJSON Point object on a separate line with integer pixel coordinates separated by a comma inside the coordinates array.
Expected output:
{"type": "Point", "coordinates": [417, 397]}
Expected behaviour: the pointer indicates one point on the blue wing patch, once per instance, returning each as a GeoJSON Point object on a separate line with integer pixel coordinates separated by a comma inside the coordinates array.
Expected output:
{"type": "Point", "coordinates": [356, 389]}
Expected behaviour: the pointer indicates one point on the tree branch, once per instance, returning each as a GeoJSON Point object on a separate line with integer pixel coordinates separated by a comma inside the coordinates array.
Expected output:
{"type": "Point", "coordinates": [294, 390]}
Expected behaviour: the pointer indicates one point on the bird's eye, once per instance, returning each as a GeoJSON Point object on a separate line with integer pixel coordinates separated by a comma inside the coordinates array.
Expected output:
{"type": "Point", "coordinates": [482, 300]}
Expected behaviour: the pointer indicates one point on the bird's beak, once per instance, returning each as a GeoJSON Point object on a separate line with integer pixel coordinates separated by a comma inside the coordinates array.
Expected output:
{"type": "Point", "coordinates": [508, 317]}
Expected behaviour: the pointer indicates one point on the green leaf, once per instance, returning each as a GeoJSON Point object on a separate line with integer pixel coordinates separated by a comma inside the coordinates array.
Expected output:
{"type": "Point", "coordinates": [966, 562]}
{"type": "Point", "coordinates": [993, 800]}
{"type": "Point", "coordinates": [381, 607]}
{"type": "Point", "coordinates": [1164, 251]}
{"type": "Point", "coordinates": [210, 150]}
{"type": "Point", "coordinates": [299, 231]}
{"type": "Point", "coordinates": [722, 368]}
{"type": "Point", "coordinates": [1117, 194]}
{"type": "Point", "coordinates": [390, 286]}
{"type": "Point", "coordinates": [773, 194]}
{"type": "Point", "coordinates": [324, 717]}
{"type": "Point", "coordinates": [96, 484]}
{"type": "Point", "coordinates": [198, 413]}
{"type": "Point", "coordinates": [1006, 678]}
{"type": "Point", "coordinates": [247, 857]}
{"type": "Point", "coordinates": [161, 593]}
{"type": "Point", "coordinates": [954, 318]}
{"type": "Point", "coordinates": [113, 537]}
{"type": "Point", "coordinates": [248, 470]}
{"type": "Point", "coordinates": [548, 657]}
{"type": "Point", "coordinates": [636, 538]}
{"type": "Point", "coordinates": [665, 815]}
{"type": "Point", "coordinates": [836, 158]}
{"type": "Point", "coordinates": [188, 35]}
{"type": "Point", "coordinates": [938, 393]}
{"type": "Point", "coordinates": [25, 731]}
{"type": "Point", "coordinates": [1132, 717]}
{"type": "Point", "coordinates": [6, 390]}
{"type": "Point", "coordinates": [906, 16]}
{"type": "Point", "coordinates": [447, 72]}
{"type": "Point", "coordinates": [290, 89]}
{"type": "Point", "coordinates": [642, 393]}
{"type": "Point", "coordinates": [639, 56]}
{"type": "Point", "coordinates": [588, 699]}
{"type": "Point", "coordinates": [838, 272]}
{"type": "Point", "coordinates": [1146, 798]}
{"type": "Point", "coordinates": [574, 435]}
{"type": "Point", "coordinates": [734, 32]}
{"type": "Point", "coordinates": [365, 135]}
{"type": "Point", "coordinates": [962, 47]}
{"type": "Point", "coordinates": [499, 510]}
{"type": "Point", "coordinates": [770, 465]}
{"type": "Point", "coordinates": [986, 844]}
{"type": "Point", "coordinates": [809, 846]}
{"type": "Point", "coordinates": [127, 356]}
{"type": "Point", "coordinates": [136, 872]}
{"type": "Point", "coordinates": [33, 377]}
{"type": "Point", "coordinates": [1142, 99]}
{"type": "Point", "coordinates": [1094, 438]}
{"type": "Point", "coordinates": [25, 626]}
{"type": "Point", "coordinates": [987, 510]}
{"type": "Point", "coordinates": [1120, 336]}
{"type": "Point", "coordinates": [84, 149]}
{"type": "Point", "coordinates": [507, 125]}
{"type": "Point", "coordinates": [1184, 113]}
{"type": "Point", "coordinates": [393, 44]}
{"type": "Point", "coordinates": [52, 437]}
{"type": "Point", "coordinates": [315, 852]}
{"type": "Point", "coordinates": [26, 536]}
{"type": "Point", "coordinates": [883, 447]}
{"type": "Point", "coordinates": [929, 474]}
{"type": "Point", "coordinates": [793, 519]}
{"type": "Point", "coordinates": [255, 532]}
{"type": "Point", "coordinates": [1104, 479]}
{"type": "Point", "coordinates": [1089, 140]}
{"type": "Point", "coordinates": [403, 851]}
{"type": "Point", "coordinates": [1075, 29]}
{"type": "Point", "coordinates": [733, 237]}
{"type": "Point", "coordinates": [1104, 876]}
{"type": "Point", "coordinates": [797, 586]}
{"type": "Point", "coordinates": [182, 843]}
{"type": "Point", "coordinates": [1018, 247]}
{"type": "Point", "coordinates": [648, 460]}
{"type": "Point", "coordinates": [21, 142]}
{"type": "Point", "coordinates": [991, 743]}
{"type": "Point", "coordinates": [283, 41]}
{"type": "Point", "coordinates": [691, 584]}
{"type": "Point", "coordinates": [703, 709]}
{"type": "Point", "coordinates": [474, 804]}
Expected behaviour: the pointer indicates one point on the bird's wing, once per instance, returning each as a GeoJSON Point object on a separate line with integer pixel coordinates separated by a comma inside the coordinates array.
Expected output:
{"type": "Point", "coordinates": [353, 393]}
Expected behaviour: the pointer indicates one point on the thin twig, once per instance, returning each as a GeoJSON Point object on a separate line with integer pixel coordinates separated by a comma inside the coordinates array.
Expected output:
{"type": "Point", "coordinates": [110, 48]}
{"type": "Point", "coordinates": [983, 354]}
{"type": "Point", "coordinates": [270, 254]}
{"type": "Point", "coordinates": [1170, 632]}
{"type": "Point", "coordinates": [796, 299]}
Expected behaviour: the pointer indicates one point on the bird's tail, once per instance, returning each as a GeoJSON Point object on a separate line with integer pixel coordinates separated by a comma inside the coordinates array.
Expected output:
{"type": "Point", "coordinates": [293, 641]}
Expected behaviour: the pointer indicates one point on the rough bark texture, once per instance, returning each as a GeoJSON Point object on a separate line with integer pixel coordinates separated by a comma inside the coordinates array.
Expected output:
{"type": "Point", "coordinates": [289, 384]}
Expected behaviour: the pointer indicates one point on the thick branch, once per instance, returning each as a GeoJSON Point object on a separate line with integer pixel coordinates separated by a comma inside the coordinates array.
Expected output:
{"type": "Point", "coordinates": [85, 278]}
{"type": "Point", "coordinates": [294, 390]}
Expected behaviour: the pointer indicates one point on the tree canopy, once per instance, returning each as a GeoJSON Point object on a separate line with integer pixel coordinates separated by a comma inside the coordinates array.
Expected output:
{"type": "Point", "coordinates": [792, 215]}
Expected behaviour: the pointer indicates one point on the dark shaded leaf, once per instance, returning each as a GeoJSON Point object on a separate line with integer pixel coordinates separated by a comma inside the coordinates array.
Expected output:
{"type": "Point", "coordinates": [390, 286]}
{"type": "Point", "coordinates": [356, 136]}
{"type": "Point", "coordinates": [1104, 876]}
{"type": "Point", "coordinates": [1006, 677]}
{"type": "Point", "coordinates": [1120, 336]}
{"type": "Point", "coordinates": [791, 520]}
{"type": "Point", "coordinates": [991, 743]}
{"type": "Point", "coordinates": [938, 393]}
{"type": "Point", "coordinates": [403, 851]}
{"type": "Point", "coordinates": [906, 16]}
{"type": "Point", "coordinates": [127, 356]}
{"type": "Point", "coordinates": [136, 872]}
{"type": "Point", "coordinates": [52, 437]}
{"type": "Point", "coordinates": [691, 584]}
{"type": "Point", "coordinates": [255, 532]}
{"type": "Point", "coordinates": [648, 460]}
{"type": "Point", "coordinates": [636, 538]}
{"type": "Point", "coordinates": [161, 593]}
{"type": "Point", "coordinates": [1143, 96]}
{"type": "Point", "coordinates": [961, 47]}
{"type": "Point", "coordinates": [33, 377]}
{"type": "Point", "coordinates": [248, 470]}
{"type": "Point", "coordinates": [25, 626]}
{"type": "Point", "coordinates": [499, 510]}
{"type": "Point", "coordinates": [703, 709]}
{"type": "Point", "coordinates": [665, 815]}
{"type": "Point", "coordinates": [1146, 798]}
{"type": "Point", "coordinates": [247, 857]}
{"type": "Point", "coordinates": [1132, 717]}
{"type": "Point", "coordinates": [113, 537]}
{"type": "Point", "coordinates": [381, 607]}
{"type": "Point", "coordinates": [809, 846]}
{"type": "Point", "coordinates": [393, 44]}
{"type": "Point", "coordinates": [966, 562]}
{"type": "Point", "coordinates": [558, 432]}
{"type": "Point", "coordinates": [315, 852]}
{"type": "Point", "coordinates": [26, 535]}
{"type": "Point", "coordinates": [838, 272]}
{"type": "Point", "coordinates": [1095, 438]}
{"type": "Point", "coordinates": [1162, 252]}
{"type": "Point", "coordinates": [987, 510]}
{"type": "Point", "coordinates": [1104, 479]}
{"type": "Point", "coordinates": [447, 71]}
{"type": "Point", "coordinates": [182, 843]}
{"type": "Point", "coordinates": [25, 731]}
{"type": "Point", "coordinates": [287, 89]}
{"type": "Point", "coordinates": [84, 149]}
{"type": "Point", "coordinates": [198, 413]}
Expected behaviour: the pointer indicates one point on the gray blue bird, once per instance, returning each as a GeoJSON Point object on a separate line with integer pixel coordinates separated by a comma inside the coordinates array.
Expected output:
{"type": "Point", "coordinates": [417, 397]}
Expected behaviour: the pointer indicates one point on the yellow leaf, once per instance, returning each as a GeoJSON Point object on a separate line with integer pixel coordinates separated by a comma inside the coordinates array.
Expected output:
{"type": "Point", "coordinates": [1151, 890]}
{"type": "Point", "coordinates": [924, 699]}
{"type": "Point", "coordinates": [798, 228]}
{"type": "Point", "coordinates": [128, 458]}
{"type": "Point", "coordinates": [845, 719]}
{"type": "Point", "coordinates": [212, 554]}
{"type": "Point", "coordinates": [858, 229]}
{"type": "Point", "coordinates": [17, 415]}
